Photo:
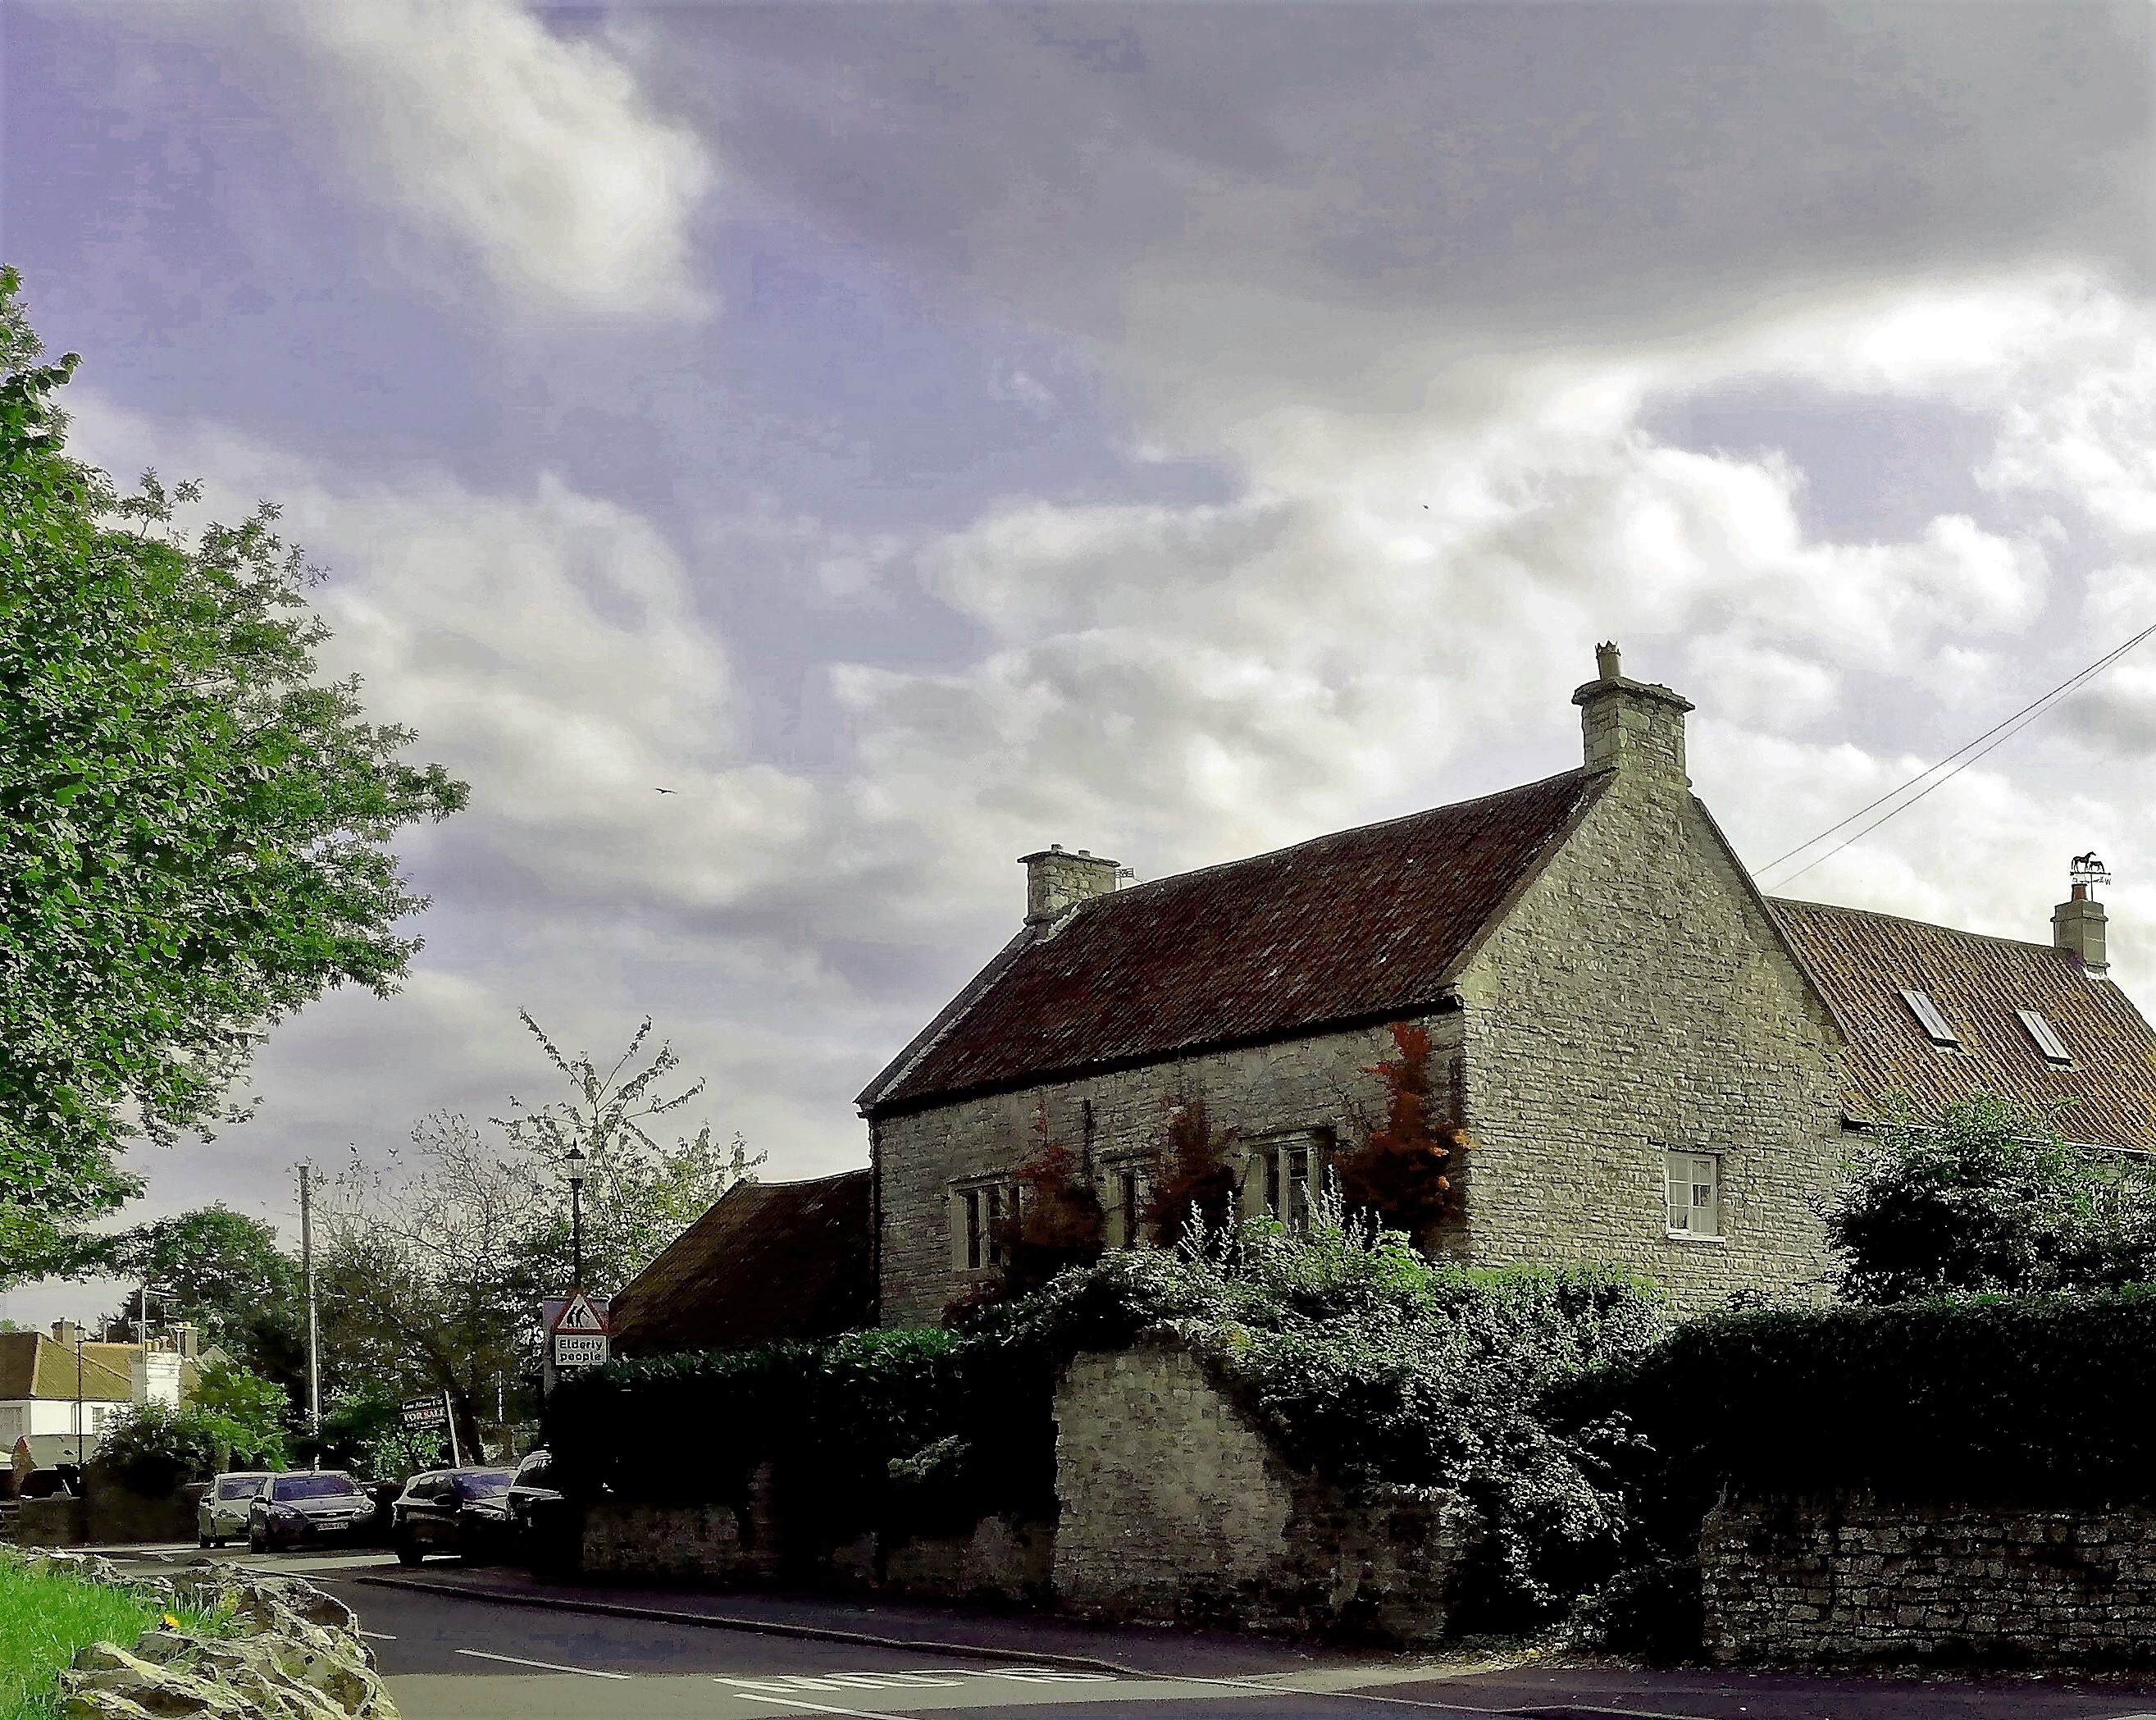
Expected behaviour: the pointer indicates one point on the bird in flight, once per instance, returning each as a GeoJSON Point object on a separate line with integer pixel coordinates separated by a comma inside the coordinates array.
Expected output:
{"type": "Point", "coordinates": [666, 791]}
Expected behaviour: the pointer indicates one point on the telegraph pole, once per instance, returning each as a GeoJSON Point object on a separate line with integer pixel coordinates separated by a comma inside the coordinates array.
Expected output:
{"type": "Point", "coordinates": [314, 1353]}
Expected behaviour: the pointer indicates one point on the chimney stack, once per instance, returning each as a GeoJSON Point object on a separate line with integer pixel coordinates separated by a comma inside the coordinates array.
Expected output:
{"type": "Point", "coordinates": [66, 1331]}
{"type": "Point", "coordinates": [1056, 882]}
{"type": "Point", "coordinates": [1632, 726]}
{"type": "Point", "coordinates": [2078, 923]}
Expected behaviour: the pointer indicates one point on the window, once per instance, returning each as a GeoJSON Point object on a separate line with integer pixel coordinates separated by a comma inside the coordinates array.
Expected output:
{"type": "Point", "coordinates": [1695, 1193]}
{"type": "Point", "coordinates": [978, 1220]}
{"type": "Point", "coordinates": [2047, 1039]}
{"type": "Point", "coordinates": [1931, 1021]}
{"type": "Point", "coordinates": [1129, 1189]}
{"type": "Point", "coordinates": [1288, 1167]}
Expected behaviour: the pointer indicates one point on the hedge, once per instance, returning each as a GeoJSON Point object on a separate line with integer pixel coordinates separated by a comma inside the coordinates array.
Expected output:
{"type": "Point", "coordinates": [2046, 1399]}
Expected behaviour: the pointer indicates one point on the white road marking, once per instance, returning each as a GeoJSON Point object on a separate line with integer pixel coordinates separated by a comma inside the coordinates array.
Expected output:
{"type": "Point", "coordinates": [378, 1636]}
{"type": "Point", "coordinates": [543, 1665]}
{"type": "Point", "coordinates": [789, 1702]}
{"type": "Point", "coordinates": [784, 1683]}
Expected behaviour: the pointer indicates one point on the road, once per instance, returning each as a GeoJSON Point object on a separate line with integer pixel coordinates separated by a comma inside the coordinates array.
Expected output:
{"type": "Point", "coordinates": [450, 1658]}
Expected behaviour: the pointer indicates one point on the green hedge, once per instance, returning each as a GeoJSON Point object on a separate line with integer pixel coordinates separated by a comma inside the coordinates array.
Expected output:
{"type": "Point", "coordinates": [2045, 1399]}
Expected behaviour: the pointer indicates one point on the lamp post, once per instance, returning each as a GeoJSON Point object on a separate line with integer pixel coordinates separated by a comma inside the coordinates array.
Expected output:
{"type": "Point", "coordinates": [577, 1162]}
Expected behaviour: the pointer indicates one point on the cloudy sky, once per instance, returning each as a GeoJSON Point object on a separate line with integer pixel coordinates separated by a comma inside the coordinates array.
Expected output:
{"type": "Point", "coordinates": [916, 433]}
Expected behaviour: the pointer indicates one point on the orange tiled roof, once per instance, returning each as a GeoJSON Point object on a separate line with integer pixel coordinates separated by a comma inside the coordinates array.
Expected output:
{"type": "Point", "coordinates": [1864, 960]}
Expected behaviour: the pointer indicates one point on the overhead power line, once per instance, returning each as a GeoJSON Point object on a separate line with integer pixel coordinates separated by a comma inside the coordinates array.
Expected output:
{"type": "Point", "coordinates": [1951, 766]}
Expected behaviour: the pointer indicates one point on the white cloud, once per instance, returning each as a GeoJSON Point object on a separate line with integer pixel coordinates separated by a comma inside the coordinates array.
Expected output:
{"type": "Point", "coordinates": [534, 155]}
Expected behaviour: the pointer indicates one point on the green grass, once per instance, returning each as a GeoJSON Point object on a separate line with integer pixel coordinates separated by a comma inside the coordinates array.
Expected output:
{"type": "Point", "coordinates": [44, 1620]}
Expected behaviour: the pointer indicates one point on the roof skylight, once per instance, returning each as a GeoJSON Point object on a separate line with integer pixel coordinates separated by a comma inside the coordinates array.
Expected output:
{"type": "Point", "coordinates": [1930, 1019]}
{"type": "Point", "coordinates": [2047, 1039]}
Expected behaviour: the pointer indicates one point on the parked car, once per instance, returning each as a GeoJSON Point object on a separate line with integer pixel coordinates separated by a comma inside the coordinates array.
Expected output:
{"type": "Point", "coordinates": [306, 1505]}
{"type": "Point", "coordinates": [541, 1519]}
{"type": "Point", "coordinates": [222, 1516]}
{"type": "Point", "coordinates": [461, 1511]}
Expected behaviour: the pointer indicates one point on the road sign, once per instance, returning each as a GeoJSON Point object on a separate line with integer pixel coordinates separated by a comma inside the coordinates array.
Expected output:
{"type": "Point", "coordinates": [581, 1349]}
{"type": "Point", "coordinates": [580, 1314]}
{"type": "Point", "coordinates": [428, 1414]}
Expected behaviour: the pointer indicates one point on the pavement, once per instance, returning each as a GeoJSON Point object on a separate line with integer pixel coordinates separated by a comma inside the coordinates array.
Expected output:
{"type": "Point", "coordinates": [462, 1643]}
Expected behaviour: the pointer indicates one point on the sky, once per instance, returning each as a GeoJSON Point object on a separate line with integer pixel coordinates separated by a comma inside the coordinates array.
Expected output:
{"type": "Point", "coordinates": [912, 435]}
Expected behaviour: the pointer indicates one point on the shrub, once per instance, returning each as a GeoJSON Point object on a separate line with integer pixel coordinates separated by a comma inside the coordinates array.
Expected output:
{"type": "Point", "coordinates": [1367, 1363]}
{"type": "Point", "coordinates": [1991, 1199]}
{"type": "Point", "coordinates": [1401, 1170]}
{"type": "Point", "coordinates": [2038, 1399]}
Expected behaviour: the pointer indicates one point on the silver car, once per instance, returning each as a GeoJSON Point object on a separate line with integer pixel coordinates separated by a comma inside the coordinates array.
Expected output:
{"type": "Point", "coordinates": [222, 1516]}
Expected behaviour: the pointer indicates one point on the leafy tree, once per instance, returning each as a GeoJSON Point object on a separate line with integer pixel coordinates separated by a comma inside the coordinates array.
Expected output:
{"type": "Point", "coordinates": [245, 1414]}
{"type": "Point", "coordinates": [194, 827]}
{"type": "Point", "coordinates": [1989, 1198]}
{"type": "Point", "coordinates": [228, 1277]}
{"type": "Point", "coordinates": [638, 1196]}
{"type": "Point", "coordinates": [1400, 1172]}
{"type": "Point", "coordinates": [433, 1266]}
{"type": "Point", "coordinates": [153, 1447]}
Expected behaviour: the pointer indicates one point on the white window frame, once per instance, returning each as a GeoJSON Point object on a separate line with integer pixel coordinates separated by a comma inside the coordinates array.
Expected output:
{"type": "Point", "coordinates": [2049, 1045]}
{"type": "Point", "coordinates": [1289, 1168]}
{"type": "Point", "coordinates": [1694, 1171]}
{"type": "Point", "coordinates": [978, 1206]}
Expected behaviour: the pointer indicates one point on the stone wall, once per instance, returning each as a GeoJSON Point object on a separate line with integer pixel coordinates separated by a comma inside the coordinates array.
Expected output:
{"type": "Point", "coordinates": [1312, 1086]}
{"type": "Point", "coordinates": [716, 1545]}
{"type": "Point", "coordinates": [1176, 1509]}
{"type": "Point", "coordinates": [1850, 1580]}
{"type": "Point", "coordinates": [1634, 1001]}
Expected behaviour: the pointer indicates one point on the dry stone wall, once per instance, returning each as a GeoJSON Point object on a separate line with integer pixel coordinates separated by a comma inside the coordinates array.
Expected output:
{"type": "Point", "coordinates": [1176, 1509]}
{"type": "Point", "coordinates": [1852, 1580]}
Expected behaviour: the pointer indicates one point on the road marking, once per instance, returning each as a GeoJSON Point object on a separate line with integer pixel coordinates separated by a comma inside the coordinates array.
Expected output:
{"type": "Point", "coordinates": [784, 1683]}
{"type": "Point", "coordinates": [790, 1701]}
{"type": "Point", "coordinates": [378, 1636]}
{"type": "Point", "coordinates": [544, 1666]}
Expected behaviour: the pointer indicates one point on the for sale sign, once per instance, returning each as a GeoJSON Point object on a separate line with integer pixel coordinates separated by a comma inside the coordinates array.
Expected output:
{"type": "Point", "coordinates": [426, 1415]}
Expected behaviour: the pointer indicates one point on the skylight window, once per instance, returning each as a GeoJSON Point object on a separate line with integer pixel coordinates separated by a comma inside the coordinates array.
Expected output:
{"type": "Point", "coordinates": [1928, 1018]}
{"type": "Point", "coordinates": [2047, 1039]}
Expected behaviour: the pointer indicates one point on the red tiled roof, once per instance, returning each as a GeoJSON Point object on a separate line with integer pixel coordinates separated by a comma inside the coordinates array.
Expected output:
{"type": "Point", "coordinates": [1863, 962]}
{"type": "Point", "coordinates": [769, 1262]}
{"type": "Point", "coordinates": [1365, 925]}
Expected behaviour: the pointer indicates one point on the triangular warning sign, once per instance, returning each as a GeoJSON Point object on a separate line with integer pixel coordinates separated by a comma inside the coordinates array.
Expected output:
{"type": "Point", "coordinates": [578, 1315]}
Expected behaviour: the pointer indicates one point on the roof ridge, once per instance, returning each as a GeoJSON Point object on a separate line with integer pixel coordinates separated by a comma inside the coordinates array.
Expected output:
{"type": "Point", "coordinates": [1835, 907]}
{"type": "Point", "coordinates": [1094, 903]}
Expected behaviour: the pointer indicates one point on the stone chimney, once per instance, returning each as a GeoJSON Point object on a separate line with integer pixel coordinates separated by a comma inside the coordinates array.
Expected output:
{"type": "Point", "coordinates": [1631, 725]}
{"type": "Point", "coordinates": [2077, 922]}
{"type": "Point", "coordinates": [66, 1331]}
{"type": "Point", "coordinates": [1056, 882]}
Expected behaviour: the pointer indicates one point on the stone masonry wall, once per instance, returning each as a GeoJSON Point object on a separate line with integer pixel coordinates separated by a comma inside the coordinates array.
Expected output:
{"type": "Point", "coordinates": [1302, 1085]}
{"type": "Point", "coordinates": [1853, 1580]}
{"type": "Point", "coordinates": [1634, 1002]}
{"type": "Point", "coordinates": [1176, 1509]}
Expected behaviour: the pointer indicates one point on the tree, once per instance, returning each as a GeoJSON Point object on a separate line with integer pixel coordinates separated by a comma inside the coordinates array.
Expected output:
{"type": "Point", "coordinates": [194, 827]}
{"type": "Point", "coordinates": [1989, 1198]}
{"type": "Point", "coordinates": [637, 1194]}
{"type": "Point", "coordinates": [433, 1266]}
{"type": "Point", "coordinates": [227, 1276]}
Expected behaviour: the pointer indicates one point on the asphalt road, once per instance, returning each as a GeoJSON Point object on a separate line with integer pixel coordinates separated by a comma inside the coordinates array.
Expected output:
{"type": "Point", "coordinates": [447, 1658]}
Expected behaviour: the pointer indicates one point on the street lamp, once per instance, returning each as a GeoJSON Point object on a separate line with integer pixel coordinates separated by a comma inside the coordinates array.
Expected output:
{"type": "Point", "coordinates": [577, 1162]}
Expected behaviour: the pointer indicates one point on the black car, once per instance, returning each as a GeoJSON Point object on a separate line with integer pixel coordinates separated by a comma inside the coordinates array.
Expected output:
{"type": "Point", "coordinates": [461, 1511]}
{"type": "Point", "coordinates": [307, 1505]}
{"type": "Point", "coordinates": [541, 1517]}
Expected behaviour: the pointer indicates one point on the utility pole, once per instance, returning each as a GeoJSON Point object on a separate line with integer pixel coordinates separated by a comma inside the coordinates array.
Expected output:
{"type": "Point", "coordinates": [314, 1353]}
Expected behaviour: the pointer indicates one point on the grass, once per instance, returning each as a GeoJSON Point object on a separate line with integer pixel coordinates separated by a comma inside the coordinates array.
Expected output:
{"type": "Point", "coordinates": [44, 1620]}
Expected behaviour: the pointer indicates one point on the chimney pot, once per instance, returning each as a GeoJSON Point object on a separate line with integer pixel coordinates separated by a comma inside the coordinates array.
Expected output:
{"type": "Point", "coordinates": [1609, 661]}
{"type": "Point", "coordinates": [1056, 882]}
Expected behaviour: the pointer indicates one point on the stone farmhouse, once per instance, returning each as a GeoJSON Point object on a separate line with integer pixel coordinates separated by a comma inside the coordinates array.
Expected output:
{"type": "Point", "coordinates": [1656, 1066]}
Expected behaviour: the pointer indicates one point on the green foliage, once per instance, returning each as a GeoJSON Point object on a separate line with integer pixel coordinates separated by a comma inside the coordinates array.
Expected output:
{"type": "Point", "coordinates": [228, 1278]}
{"type": "Point", "coordinates": [194, 830]}
{"type": "Point", "coordinates": [2043, 1398]}
{"type": "Point", "coordinates": [363, 1432]}
{"type": "Point", "coordinates": [245, 1415]}
{"type": "Point", "coordinates": [45, 1619]}
{"type": "Point", "coordinates": [152, 1448]}
{"type": "Point", "coordinates": [1370, 1362]}
{"type": "Point", "coordinates": [1989, 1199]}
